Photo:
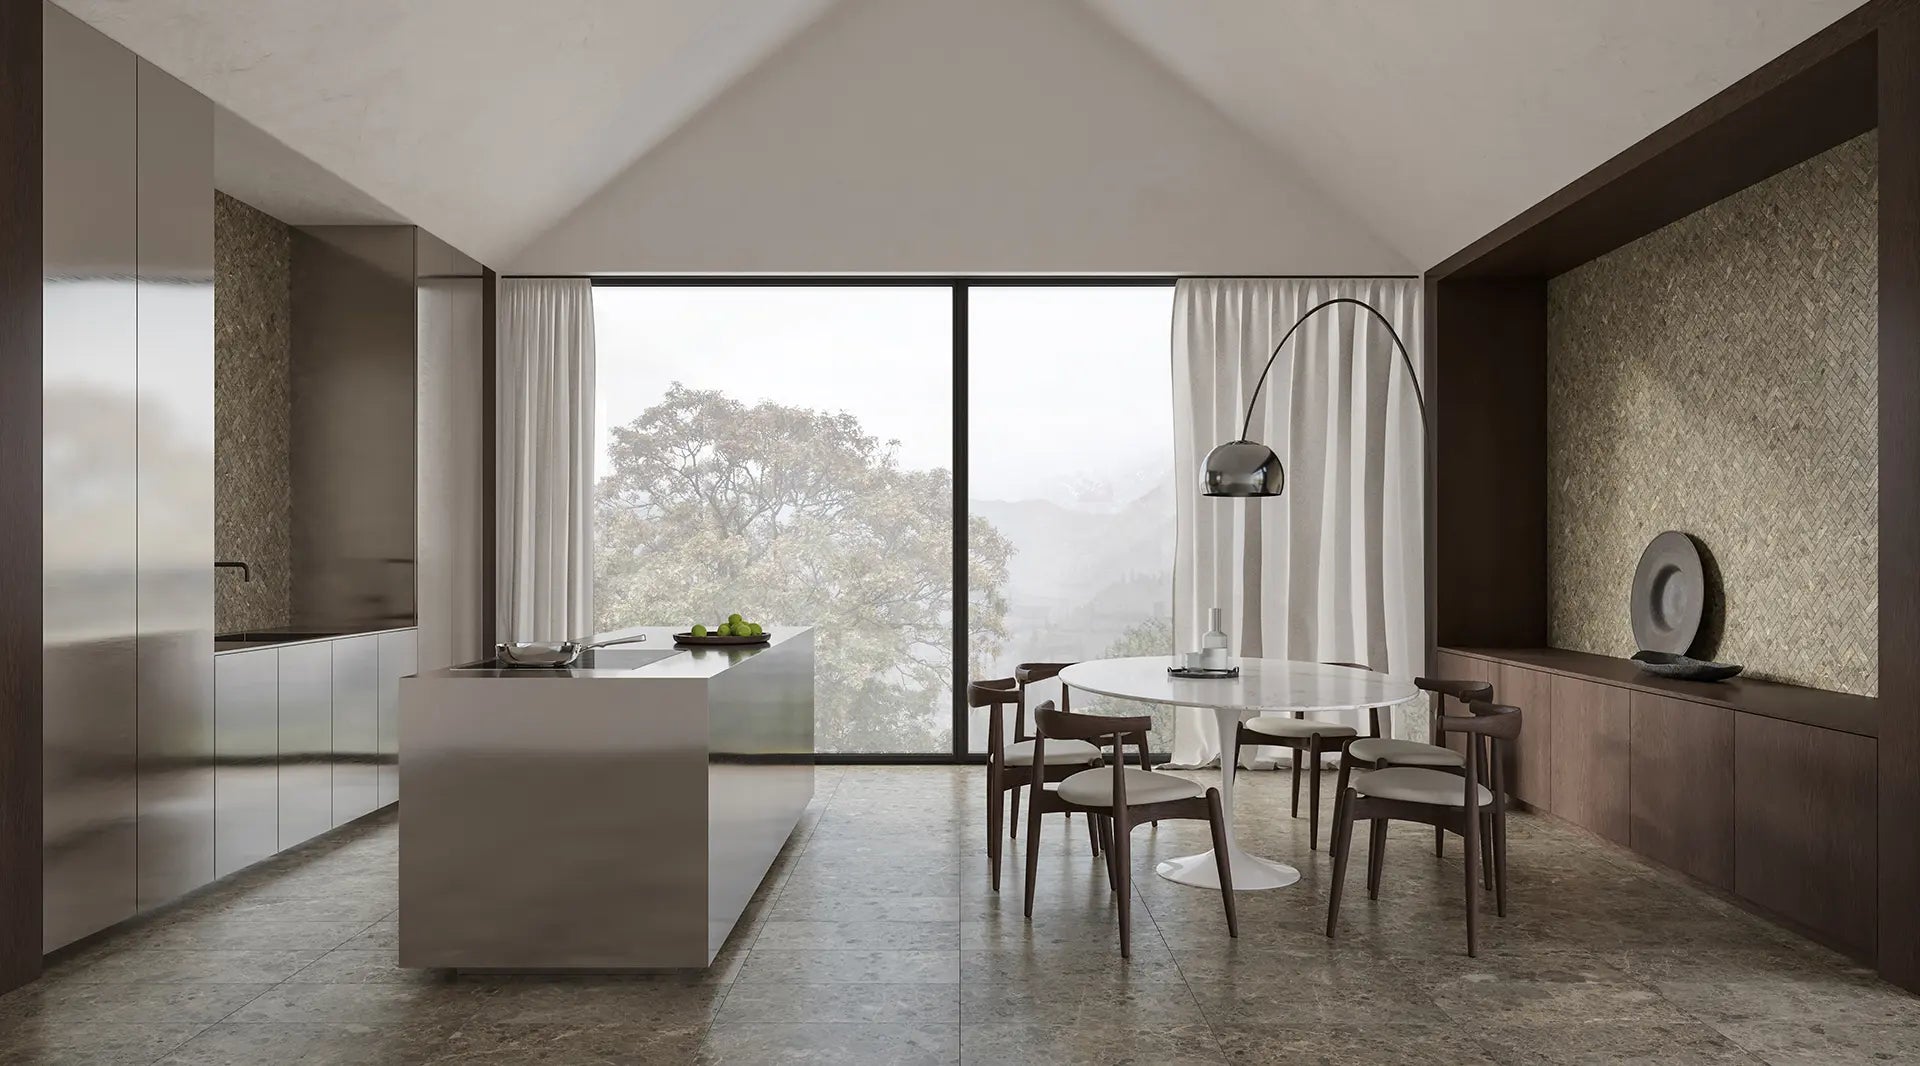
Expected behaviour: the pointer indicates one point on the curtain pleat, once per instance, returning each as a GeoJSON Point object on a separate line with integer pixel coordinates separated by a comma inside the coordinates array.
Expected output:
{"type": "Point", "coordinates": [545, 456]}
{"type": "Point", "coordinates": [1332, 570]}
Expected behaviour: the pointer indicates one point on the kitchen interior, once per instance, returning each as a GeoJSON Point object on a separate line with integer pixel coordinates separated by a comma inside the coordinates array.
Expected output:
{"type": "Point", "coordinates": [242, 415]}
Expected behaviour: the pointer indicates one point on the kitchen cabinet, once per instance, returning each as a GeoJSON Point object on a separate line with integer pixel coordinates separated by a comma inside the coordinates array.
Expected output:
{"type": "Point", "coordinates": [246, 777]}
{"type": "Point", "coordinates": [1805, 826]}
{"type": "Point", "coordinates": [356, 727]}
{"type": "Point", "coordinates": [1530, 776]}
{"type": "Point", "coordinates": [1680, 787]}
{"type": "Point", "coordinates": [306, 741]}
{"type": "Point", "coordinates": [399, 654]}
{"type": "Point", "coordinates": [1589, 741]}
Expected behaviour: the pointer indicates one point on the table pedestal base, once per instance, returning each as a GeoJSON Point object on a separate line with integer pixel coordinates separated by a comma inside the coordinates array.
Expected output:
{"type": "Point", "coordinates": [1250, 872]}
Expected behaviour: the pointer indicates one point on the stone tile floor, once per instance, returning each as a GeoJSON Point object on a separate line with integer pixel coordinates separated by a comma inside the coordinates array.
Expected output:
{"type": "Point", "coordinates": [876, 940]}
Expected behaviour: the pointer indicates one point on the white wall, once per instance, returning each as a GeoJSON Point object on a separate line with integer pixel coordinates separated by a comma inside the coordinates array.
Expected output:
{"type": "Point", "coordinates": [988, 136]}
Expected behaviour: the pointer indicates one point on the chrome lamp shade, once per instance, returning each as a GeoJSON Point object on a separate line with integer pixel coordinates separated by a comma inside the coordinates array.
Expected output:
{"type": "Point", "coordinates": [1242, 468]}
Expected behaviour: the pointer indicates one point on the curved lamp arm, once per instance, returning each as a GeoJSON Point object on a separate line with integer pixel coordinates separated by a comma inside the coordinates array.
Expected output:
{"type": "Point", "coordinates": [1406, 360]}
{"type": "Point", "coordinates": [1246, 468]}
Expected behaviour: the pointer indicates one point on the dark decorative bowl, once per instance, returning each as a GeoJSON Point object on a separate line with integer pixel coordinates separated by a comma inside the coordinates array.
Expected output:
{"type": "Point", "coordinates": [1681, 668]}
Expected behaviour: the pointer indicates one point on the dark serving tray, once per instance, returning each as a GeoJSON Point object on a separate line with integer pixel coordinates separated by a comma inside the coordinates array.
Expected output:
{"type": "Point", "coordinates": [689, 640]}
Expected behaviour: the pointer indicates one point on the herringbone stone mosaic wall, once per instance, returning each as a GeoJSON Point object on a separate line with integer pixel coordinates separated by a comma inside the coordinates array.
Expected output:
{"type": "Point", "coordinates": [1719, 377]}
{"type": "Point", "coordinates": [252, 414]}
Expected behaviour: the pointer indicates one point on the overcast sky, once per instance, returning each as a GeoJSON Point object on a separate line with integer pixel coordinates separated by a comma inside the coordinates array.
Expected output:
{"type": "Point", "coordinates": [1067, 385]}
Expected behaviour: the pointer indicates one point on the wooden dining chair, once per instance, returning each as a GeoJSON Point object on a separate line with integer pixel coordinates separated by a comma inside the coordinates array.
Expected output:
{"type": "Point", "coordinates": [1010, 765]}
{"type": "Point", "coordinates": [1123, 797]}
{"type": "Point", "coordinates": [1371, 753]}
{"type": "Point", "coordinates": [1452, 802]}
{"type": "Point", "coordinates": [1310, 737]}
{"type": "Point", "coordinates": [1033, 673]}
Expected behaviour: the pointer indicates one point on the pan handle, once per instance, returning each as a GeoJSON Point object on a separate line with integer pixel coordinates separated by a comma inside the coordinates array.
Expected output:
{"type": "Point", "coordinates": [611, 643]}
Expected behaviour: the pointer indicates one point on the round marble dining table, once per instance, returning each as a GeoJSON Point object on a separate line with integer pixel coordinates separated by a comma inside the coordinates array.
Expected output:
{"type": "Point", "coordinates": [1264, 686]}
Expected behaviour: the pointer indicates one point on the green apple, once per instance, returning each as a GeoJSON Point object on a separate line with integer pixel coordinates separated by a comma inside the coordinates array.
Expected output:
{"type": "Point", "coordinates": [699, 631]}
{"type": "Point", "coordinates": [735, 619]}
{"type": "Point", "coordinates": [753, 629]}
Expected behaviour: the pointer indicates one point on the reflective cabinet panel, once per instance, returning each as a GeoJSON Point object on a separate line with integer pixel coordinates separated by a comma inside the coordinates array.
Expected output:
{"type": "Point", "coordinates": [90, 544]}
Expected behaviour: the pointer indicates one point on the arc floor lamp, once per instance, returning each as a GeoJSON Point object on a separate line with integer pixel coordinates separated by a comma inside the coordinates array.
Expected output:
{"type": "Point", "coordinates": [1248, 469]}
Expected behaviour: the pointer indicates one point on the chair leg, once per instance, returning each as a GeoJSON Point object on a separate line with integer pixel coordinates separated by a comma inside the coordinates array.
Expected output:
{"type": "Point", "coordinates": [1013, 823]}
{"type": "Point", "coordinates": [1471, 821]}
{"type": "Point", "coordinates": [1500, 863]}
{"type": "Point", "coordinates": [1123, 862]}
{"type": "Point", "coordinates": [1340, 790]}
{"type": "Point", "coordinates": [1439, 842]}
{"type": "Point", "coordinates": [1217, 821]}
{"type": "Point", "coordinates": [1376, 855]}
{"type": "Point", "coordinates": [1486, 851]}
{"type": "Point", "coordinates": [1033, 850]}
{"type": "Point", "coordinates": [1106, 848]}
{"type": "Point", "coordinates": [1295, 759]}
{"type": "Point", "coordinates": [996, 812]}
{"type": "Point", "coordinates": [1093, 834]}
{"type": "Point", "coordinates": [1340, 844]}
{"type": "Point", "coordinates": [1313, 794]}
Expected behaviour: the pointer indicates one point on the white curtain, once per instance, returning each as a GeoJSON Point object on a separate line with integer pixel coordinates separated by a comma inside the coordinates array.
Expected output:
{"type": "Point", "coordinates": [1332, 570]}
{"type": "Point", "coordinates": [545, 459]}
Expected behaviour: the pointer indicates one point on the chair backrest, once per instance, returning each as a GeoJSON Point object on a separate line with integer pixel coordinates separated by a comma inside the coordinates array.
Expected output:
{"type": "Point", "coordinates": [1491, 724]}
{"type": "Point", "coordinates": [1049, 721]}
{"type": "Point", "coordinates": [1464, 691]}
{"type": "Point", "coordinates": [1065, 725]}
{"type": "Point", "coordinates": [1033, 673]}
{"type": "Point", "coordinates": [1373, 713]}
{"type": "Point", "coordinates": [994, 693]}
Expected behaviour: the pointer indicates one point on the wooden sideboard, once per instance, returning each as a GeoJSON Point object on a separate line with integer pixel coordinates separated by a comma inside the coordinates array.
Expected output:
{"type": "Point", "coordinates": [1763, 790]}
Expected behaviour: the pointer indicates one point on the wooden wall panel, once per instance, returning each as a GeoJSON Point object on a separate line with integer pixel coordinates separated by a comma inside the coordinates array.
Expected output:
{"type": "Point", "coordinates": [1490, 461]}
{"type": "Point", "coordinates": [1804, 826]}
{"type": "Point", "coordinates": [1899, 750]}
{"type": "Point", "coordinates": [20, 476]}
{"type": "Point", "coordinates": [1680, 786]}
{"type": "Point", "coordinates": [1532, 769]}
{"type": "Point", "coordinates": [1590, 740]}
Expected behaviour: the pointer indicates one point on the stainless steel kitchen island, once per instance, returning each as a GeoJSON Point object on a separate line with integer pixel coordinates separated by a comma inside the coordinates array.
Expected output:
{"type": "Point", "coordinates": [617, 814]}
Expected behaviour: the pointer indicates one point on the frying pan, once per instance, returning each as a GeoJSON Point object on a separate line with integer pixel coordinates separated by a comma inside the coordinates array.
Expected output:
{"type": "Point", "coordinates": [551, 655]}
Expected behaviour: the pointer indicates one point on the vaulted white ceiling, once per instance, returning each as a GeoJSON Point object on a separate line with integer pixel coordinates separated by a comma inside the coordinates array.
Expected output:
{"type": "Point", "coordinates": [504, 125]}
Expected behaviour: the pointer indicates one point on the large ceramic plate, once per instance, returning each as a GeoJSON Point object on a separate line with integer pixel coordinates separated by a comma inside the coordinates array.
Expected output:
{"type": "Point", "coordinates": [713, 641]}
{"type": "Point", "coordinates": [1669, 594]}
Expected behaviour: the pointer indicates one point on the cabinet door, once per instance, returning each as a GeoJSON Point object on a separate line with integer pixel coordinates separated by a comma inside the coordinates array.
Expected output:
{"type": "Point", "coordinates": [398, 654]}
{"type": "Point", "coordinates": [1591, 760]}
{"type": "Point", "coordinates": [356, 727]}
{"type": "Point", "coordinates": [246, 744]}
{"type": "Point", "coordinates": [306, 741]}
{"type": "Point", "coordinates": [1681, 786]}
{"type": "Point", "coordinates": [1805, 825]}
{"type": "Point", "coordinates": [1531, 773]}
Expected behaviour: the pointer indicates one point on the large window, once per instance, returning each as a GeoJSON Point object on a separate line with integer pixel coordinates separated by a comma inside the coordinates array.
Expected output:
{"type": "Point", "coordinates": [786, 451]}
{"type": "Point", "coordinates": [1070, 465]}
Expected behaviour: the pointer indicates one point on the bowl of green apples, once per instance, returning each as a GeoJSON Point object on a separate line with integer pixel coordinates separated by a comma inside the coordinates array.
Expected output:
{"type": "Point", "coordinates": [736, 631]}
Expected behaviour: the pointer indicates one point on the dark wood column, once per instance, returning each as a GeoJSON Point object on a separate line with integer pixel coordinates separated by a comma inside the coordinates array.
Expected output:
{"type": "Point", "coordinates": [1899, 754]}
{"type": "Point", "coordinates": [20, 472]}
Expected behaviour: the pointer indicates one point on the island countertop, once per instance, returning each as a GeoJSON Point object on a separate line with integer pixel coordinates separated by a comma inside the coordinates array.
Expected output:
{"type": "Point", "coordinates": [656, 657]}
{"type": "Point", "coordinates": [619, 814]}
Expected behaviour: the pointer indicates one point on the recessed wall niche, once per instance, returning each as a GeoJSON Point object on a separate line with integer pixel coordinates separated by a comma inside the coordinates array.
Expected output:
{"type": "Point", "coordinates": [1718, 376]}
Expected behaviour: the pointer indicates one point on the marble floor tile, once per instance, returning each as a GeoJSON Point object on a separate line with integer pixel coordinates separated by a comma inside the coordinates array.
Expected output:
{"type": "Point", "coordinates": [1098, 1045]}
{"type": "Point", "coordinates": [1782, 1043]}
{"type": "Point", "coordinates": [877, 938]}
{"type": "Point", "coordinates": [874, 966]}
{"type": "Point", "coordinates": [831, 1044]}
{"type": "Point", "coordinates": [111, 1044]}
